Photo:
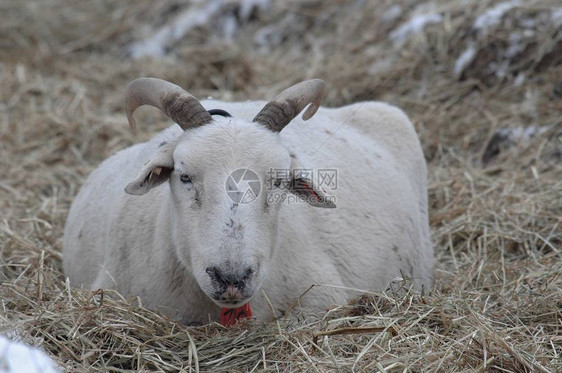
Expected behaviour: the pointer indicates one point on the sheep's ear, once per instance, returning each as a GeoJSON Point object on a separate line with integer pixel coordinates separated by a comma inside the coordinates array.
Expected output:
{"type": "Point", "coordinates": [304, 187]}
{"type": "Point", "coordinates": [148, 179]}
{"type": "Point", "coordinates": [154, 172]}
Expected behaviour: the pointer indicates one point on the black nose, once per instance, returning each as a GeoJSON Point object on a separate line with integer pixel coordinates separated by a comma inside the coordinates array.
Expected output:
{"type": "Point", "coordinates": [227, 278]}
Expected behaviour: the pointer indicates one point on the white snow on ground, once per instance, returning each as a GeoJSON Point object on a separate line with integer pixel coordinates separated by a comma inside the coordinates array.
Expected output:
{"type": "Point", "coordinates": [187, 20]}
{"type": "Point", "coordinates": [230, 24]}
{"type": "Point", "coordinates": [515, 46]}
{"type": "Point", "coordinates": [198, 14]}
{"type": "Point", "coordinates": [483, 23]}
{"type": "Point", "coordinates": [556, 16]}
{"type": "Point", "coordinates": [246, 7]}
{"type": "Point", "coordinates": [500, 69]}
{"type": "Point", "coordinates": [414, 25]}
{"type": "Point", "coordinates": [493, 16]}
{"type": "Point", "coordinates": [271, 36]}
{"type": "Point", "coordinates": [229, 27]}
{"type": "Point", "coordinates": [268, 37]}
{"type": "Point", "coordinates": [16, 357]}
{"type": "Point", "coordinates": [464, 60]}
{"type": "Point", "coordinates": [522, 134]}
{"type": "Point", "coordinates": [520, 79]}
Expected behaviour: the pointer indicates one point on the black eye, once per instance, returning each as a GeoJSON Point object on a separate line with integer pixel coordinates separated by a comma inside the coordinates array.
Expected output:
{"type": "Point", "coordinates": [185, 179]}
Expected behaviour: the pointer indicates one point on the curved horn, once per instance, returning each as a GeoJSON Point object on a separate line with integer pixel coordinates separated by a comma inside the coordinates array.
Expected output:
{"type": "Point", "coordinates": [174, 101]}
{"type": "Point", "coordinates": [283, 108]}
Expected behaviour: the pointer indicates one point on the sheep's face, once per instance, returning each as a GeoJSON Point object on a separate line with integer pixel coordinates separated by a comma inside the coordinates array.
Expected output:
{"type": "Point", "coordinates": [226, 226]}
{"type": "Point", "coordinates": [221, 173]}
{"type": "Point", "coordinates": [227, 180]}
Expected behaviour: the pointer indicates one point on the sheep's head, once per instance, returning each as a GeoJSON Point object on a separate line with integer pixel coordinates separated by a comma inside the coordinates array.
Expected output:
{"type": "Point", "coordinates": [220, 175]}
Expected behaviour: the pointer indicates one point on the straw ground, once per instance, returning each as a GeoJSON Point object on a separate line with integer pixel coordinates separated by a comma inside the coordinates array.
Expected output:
{"type": "Point", "coordinates": [490, 125]}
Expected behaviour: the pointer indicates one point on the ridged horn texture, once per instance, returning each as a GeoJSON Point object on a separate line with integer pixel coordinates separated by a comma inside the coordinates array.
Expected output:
{"type": "Point", "coordinates": [283, 108]}
{"type": "Point", "coordinates": [174, 101]}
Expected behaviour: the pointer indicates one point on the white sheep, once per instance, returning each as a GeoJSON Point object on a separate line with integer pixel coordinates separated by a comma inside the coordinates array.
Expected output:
{"type": "Point", "coordinates": [160, 220]}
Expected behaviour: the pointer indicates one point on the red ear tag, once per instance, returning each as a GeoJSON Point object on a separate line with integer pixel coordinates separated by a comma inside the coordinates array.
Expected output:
{"type": "Point", "coordinates": [229, 316]}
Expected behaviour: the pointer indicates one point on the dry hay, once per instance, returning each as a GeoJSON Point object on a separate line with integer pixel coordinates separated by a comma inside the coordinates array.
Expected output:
{"type": "Point", "coordinates": [496, 221]}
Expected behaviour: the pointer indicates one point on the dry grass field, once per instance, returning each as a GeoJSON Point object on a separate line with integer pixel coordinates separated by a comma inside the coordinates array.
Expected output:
{"type": "Point", "coordinates": [482, 82]}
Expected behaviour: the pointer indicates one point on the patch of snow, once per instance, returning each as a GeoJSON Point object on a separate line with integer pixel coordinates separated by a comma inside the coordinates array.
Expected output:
{"type": "Point", "coordinates": [200, 13]}
{"type": "Point", "coordinates": [184, 22]}
{"type": "Point", "coordinates": [493, 16]}
{"type": "Point", "coordinates": [556, 16]}
{"type": "Point", "coordinates": [515, 46]}
{"type": "Point", "coordinates": [500, 69]}
{"type": "Point", "coordinates": [16, 357]}
{"type": "Point", "coordinates": [271, 36]}
{"type": "Point", "coordinates": [414, 25]}
{"type": "Point", "coordinates": [528, 22]}
{"type": "Point", "coordinates": [512, 137]}
{"type": "Point", "coordinates": [534, 130]}
{"type": "Point", "coordinates": [464, 60]}
{"type": "Point", "coordinates": [247, 7]}
{"type": "Point", "coordinates": [268, 36]}
{"type": "Point", "coordinates": [528, 33]}
{"type": "Point", "coordinates": [229, 27]}
{"type": "Point", "coordinates": [392, 13]}
{"type": "Point", "coordinates": [522, 134]}
{"type": "Point", "coordinates": [520, 79]}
